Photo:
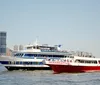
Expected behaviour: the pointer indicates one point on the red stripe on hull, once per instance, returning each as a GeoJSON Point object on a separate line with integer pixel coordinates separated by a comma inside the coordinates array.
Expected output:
{"type": "Point", "coordinates": [73, 69]}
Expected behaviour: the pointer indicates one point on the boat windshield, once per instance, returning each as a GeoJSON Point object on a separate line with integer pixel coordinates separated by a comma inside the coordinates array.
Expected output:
{"type": "Point", "coordinates": [19, 54]}
{"type": "Point", "coordinates": [69, 56]}
{"type": "Point", "coordinates": [29, 55]}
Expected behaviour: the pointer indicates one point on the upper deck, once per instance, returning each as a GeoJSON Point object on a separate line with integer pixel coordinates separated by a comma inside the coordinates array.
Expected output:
{"type": "Point", "coordinates": [43, 48]}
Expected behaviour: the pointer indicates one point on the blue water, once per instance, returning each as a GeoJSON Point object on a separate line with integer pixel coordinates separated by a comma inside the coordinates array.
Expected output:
{"type": "Point", "coordinates": [47, 78]}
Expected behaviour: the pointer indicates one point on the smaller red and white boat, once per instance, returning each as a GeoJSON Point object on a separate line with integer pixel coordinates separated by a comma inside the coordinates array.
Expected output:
{"type": "Point", "coordinates": [73, 64]}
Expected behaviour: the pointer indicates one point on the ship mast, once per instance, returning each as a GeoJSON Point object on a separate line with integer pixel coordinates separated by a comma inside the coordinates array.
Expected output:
{"type": "Point", "coordinates": [36, 42]}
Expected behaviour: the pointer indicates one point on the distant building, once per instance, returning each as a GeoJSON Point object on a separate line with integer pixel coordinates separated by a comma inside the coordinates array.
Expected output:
{"type": "Point", "coordinates": [15, 48]}
{"type": "Point", "coordinates": [2, 43]}
{"type": "Point", "coordinates": [20, 47]}
{"type": "Point", "coordinates": [9, 52]}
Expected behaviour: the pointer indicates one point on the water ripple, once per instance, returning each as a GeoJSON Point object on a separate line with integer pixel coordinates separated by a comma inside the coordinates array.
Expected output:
{"type": "Point", "coordinates": [47, 78]}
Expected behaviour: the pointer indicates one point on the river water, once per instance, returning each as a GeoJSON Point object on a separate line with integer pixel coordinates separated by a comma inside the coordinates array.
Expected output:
{"type": "Point", "coordinates": [43, 77]}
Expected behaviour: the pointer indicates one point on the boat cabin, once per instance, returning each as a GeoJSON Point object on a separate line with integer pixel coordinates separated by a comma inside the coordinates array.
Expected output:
{"type": "Point", "coordinates": [43, 47]}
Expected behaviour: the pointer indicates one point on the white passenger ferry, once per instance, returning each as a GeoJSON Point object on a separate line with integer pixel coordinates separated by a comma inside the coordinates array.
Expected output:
{"type": "Point", "coordinates": [32, 57]}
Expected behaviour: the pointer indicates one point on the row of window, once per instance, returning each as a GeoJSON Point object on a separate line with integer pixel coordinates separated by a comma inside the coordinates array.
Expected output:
{"type": "Point", "coordinates": [2, 41]}
{"type": "Point", "coordinates": [42, 48]}
{"type": "Point", "coordinates": [2, 34]}
{"type": "Point", "coordinates": [70, 56]}
{"type": "Point", "coordinates": [2, 50]}
{"type": "Point", "coordinates": [26, 63]}
{"type": "Point", "coordinates": [87, 61]}
{"type": "Point", "coordinates": [47, 50]}
{"type": "Point", "coordinates": [38, 55]}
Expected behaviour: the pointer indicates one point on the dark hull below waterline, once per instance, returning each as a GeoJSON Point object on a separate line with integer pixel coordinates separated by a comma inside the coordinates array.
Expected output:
{"type": "Point", "coordinates": [27, 68]}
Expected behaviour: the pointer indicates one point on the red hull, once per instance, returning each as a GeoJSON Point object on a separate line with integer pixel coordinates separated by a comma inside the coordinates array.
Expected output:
{"type": "Point", "coordinates": [73, 69]}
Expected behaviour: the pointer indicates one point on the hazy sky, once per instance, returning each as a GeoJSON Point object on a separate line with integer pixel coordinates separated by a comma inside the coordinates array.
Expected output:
{"type": "Point", "coordinates": [73, 23]}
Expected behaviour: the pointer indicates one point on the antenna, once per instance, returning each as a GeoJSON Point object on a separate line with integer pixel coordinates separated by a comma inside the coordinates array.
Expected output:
{"type": "Point", "coordinates": [36, 41]}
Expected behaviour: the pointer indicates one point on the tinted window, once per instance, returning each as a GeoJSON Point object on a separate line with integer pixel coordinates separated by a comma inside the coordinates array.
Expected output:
{"type": "Point", "coordinates": [30, 55]}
